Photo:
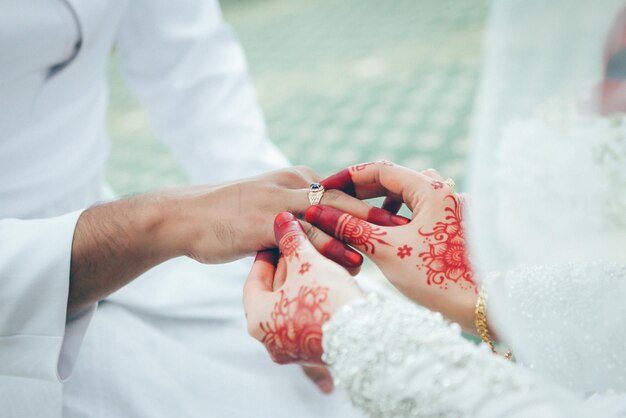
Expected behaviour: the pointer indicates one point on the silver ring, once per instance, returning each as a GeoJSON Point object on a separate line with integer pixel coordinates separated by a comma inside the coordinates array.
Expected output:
{"type": "Point", "coordinates": [450, 183]}
{"type": "Point", "coordinates": [316, 191]}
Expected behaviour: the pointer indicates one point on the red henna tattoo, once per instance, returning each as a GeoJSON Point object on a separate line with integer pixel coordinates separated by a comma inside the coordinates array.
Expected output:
{"type": "Point", "coordinates": [363, 166]}
{"type": "Point", "coordinates": [446, 260]}
{"type": "Point", "coordinates": [356, 231]}
{"type": "Point", "coordinates": [360, 167]}
{"type": "Point", "coordinates": [436, 184]}
{"type": "Point", "coordinates": [294, 332]}
{"type": "Point", "coordinates": [290, 243]}
{"type": "Point", "coordinates": [404, 251]}
{"type": "Point", "coordinates": [304, 268]}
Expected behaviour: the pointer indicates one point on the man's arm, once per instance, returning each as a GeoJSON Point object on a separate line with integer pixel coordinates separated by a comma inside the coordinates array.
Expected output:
{"type": "Point", "coordinates": [113, 244]}
{"type": "Point", "coordinates": [116, 242]}
{"type": "Point", "coordinates": [186, 66]}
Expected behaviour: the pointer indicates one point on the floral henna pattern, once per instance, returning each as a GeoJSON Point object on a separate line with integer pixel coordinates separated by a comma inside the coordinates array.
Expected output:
{"type": "Point", "coordinates": [356, 231]}
{"type": "Point", "coordinates": [446, 260]}
{"type": "Point", "coordinates": [360, 167]}
{"type": "Point", "coordinates": [304, 268]}
{"type": "Point", "coordinates": [294, 332]}
{"type": "Point", "coordinates": [290, 244]}
{"type": "Point", "coordinates": [436, 184]}
{"type": "Point", "coordinates": [404, 251]}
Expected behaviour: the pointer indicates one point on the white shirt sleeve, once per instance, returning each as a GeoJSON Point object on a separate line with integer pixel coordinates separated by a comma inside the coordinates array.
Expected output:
{"type": "Point", "coordinates": [36, 338]}
{"type": "Point", "coordinates": [188, 69]}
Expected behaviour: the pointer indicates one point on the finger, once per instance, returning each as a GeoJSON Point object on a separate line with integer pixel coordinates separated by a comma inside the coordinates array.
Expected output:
{"type": "Point", "coordinates": [261, 277]}
{"type": "Point", "coordinates": [361, 209]}
{"type": "Point", "coordinates": [308, 174]}
{"type": "Point", "coordinates": [391, 205]}
{"type": "Point", "coordinates": [334, 249]}
{"type": "Point", "coordinates": [280, 275]}
{"type": "Point", "coordinates": [382, 179]}
{"type": "Point", "coordinates": [354, 231]}
{"type": "Point", "coordinates": [299, 203]}
{"type": "Point", "coordinates": [321, 376]}
{"type": "Point", "coordinates": [291, 238]}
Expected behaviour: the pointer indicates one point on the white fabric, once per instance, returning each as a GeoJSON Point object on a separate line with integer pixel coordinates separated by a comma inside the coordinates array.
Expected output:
{"type": "Point", "coordinates": [549, 189]}
{"type": "Point", "coordinates": [571, 325]}
{"type": "Point", "coordinates": [34, 298]}
{"type": "Point", "coordinates": [547, 210]}
{"type": "Point", "coordinates": [399, 360]}
{"type": "Point", "coordinates": [174, 342]}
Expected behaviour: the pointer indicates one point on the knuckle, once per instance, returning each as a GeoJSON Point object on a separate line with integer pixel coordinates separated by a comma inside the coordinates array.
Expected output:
{"type": "Point", "coordinates": [293, 176]}
{"type": "Point", "coordinates": [306, 171]}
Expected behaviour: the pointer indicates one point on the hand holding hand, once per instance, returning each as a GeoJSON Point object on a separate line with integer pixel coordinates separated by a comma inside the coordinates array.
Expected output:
{"type": "Point", "coordinates": [215, 224]}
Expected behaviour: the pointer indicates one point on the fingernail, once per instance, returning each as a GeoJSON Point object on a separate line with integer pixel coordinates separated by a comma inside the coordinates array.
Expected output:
{"type": "Point", "coordinates": [400, 220]}
{"type": "Point", "coordinates": [282, 218]}
{"type": "Point", "coordinates": [355, 259]}
{"type": "Point", "coordinates": [326, 385]}
{"type": "Point", "coordinates": [312, 213]}
{"type": "Point", "coordinates": [341, 180]}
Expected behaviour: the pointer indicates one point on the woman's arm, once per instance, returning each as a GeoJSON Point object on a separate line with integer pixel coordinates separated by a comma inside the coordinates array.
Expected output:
{"type": "Point", "coordinates": [396, 359]}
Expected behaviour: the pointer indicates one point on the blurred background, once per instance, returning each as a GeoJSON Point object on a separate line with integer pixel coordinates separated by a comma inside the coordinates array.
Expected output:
{"type": "Point", "coordinates": [340, 82]}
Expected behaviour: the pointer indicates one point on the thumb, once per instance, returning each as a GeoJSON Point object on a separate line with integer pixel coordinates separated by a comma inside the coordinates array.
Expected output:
{"type": "Point", "coordinates": [291, 237]}
{"type": "Point", "coordinates": [321, 376]}
{"type": "Point", "coordinates": [261, 277]}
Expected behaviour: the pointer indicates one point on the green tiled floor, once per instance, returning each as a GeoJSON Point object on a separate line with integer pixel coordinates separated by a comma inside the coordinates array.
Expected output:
{"type": "Point", "coordinates": [340, 81]}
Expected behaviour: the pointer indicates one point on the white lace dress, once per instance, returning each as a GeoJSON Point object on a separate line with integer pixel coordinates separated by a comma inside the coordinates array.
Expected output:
{"type": "Point", "coordinates": [396, 359]}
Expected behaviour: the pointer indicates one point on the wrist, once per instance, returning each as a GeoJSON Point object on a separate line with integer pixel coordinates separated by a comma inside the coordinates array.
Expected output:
{"type": "Point", "coordinates": [190, 222]}
{"type": "Point", "coordinates": [164, 225]}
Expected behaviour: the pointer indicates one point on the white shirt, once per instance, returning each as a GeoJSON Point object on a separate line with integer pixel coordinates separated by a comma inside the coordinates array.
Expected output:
{"type": "Point", "coordinates": [172, 343]}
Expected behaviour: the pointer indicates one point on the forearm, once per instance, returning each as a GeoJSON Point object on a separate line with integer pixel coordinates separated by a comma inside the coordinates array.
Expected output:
{"type": "Point", "coordinates": [113, 244]}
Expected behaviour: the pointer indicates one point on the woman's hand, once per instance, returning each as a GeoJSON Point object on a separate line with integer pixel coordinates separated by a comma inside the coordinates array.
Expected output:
{"type": "Point", "coordinates": [425, 259]}
{"type": "Point", "coordinates": [288, 299]}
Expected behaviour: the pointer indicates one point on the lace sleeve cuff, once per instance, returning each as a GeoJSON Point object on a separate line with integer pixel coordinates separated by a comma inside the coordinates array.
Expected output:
{"type": "Point", "coordinates": [398, 359]}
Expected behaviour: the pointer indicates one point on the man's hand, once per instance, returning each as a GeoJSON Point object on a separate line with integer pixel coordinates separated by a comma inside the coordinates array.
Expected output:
{"type": "Point", "coordinates": [234, 220]}
{"type": "Point", "coordinates": [118, 241]}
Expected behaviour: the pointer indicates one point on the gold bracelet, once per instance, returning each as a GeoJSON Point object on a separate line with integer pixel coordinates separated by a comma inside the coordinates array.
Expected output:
{"type": "Point", "coordinates": [480, 313]}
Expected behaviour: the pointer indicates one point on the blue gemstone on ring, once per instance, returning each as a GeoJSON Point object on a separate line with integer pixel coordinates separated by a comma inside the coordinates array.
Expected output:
{"type": "Point", "coordinates": [315, 186]}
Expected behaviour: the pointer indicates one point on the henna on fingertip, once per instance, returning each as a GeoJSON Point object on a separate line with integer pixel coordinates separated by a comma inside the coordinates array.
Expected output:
{"type": "Point", "coordinates": [289, 235]}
